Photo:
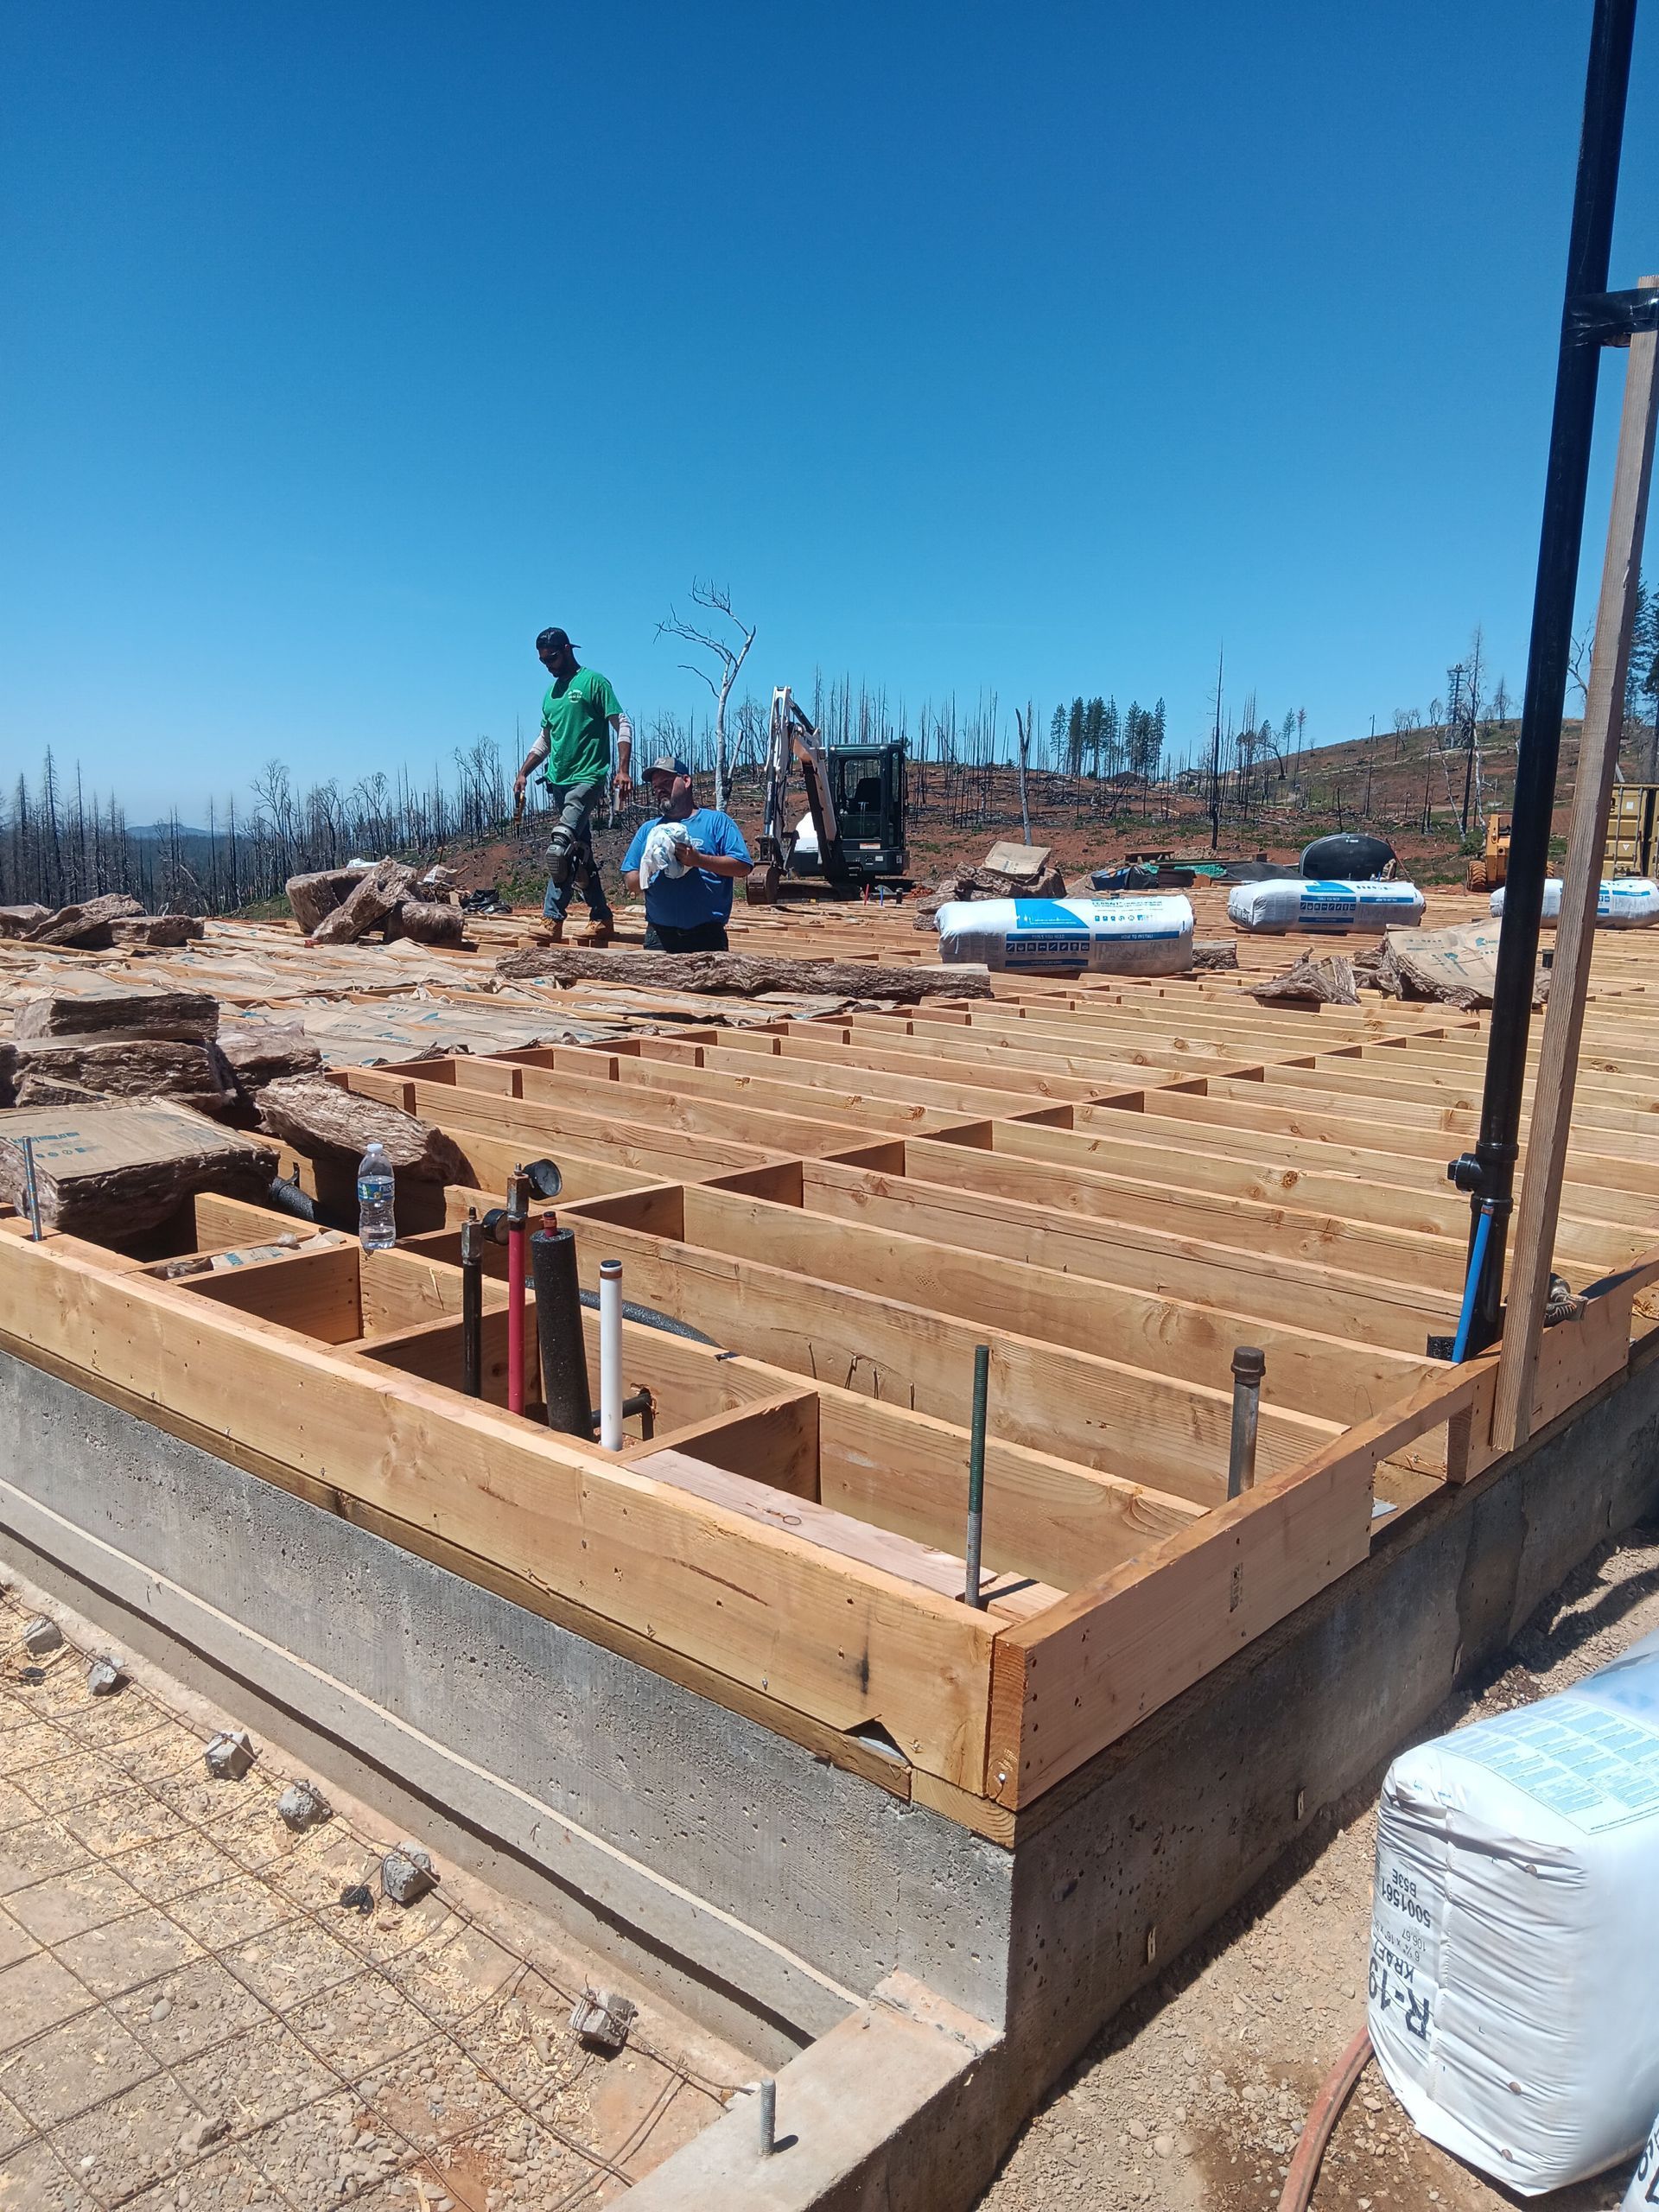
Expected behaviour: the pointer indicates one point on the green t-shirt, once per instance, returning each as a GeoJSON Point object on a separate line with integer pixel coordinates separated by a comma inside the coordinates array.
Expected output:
{"type": "Point", "coordinates": [574, 715]}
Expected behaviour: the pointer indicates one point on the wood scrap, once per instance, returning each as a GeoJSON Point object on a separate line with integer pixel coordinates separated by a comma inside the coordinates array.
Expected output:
{"type": "Point", "coordinates": [88, 924]}
{"type": "Point", "coordinates": [113, 1170]}
{"type": "Point", "coordinates": [1216, 952]}
{"type": "Point", "coordinates": [313, 897]}
{"type": "Point", "coordinates": [317, 1116]}
{"type": "Point", "coordinates": [426, 922]}
{"type": "Point", "coordinates": [745, 974]}
{"type": "Point", "coordinates": [1308, 981]}
{"type": "Point", "coordinates": [121, 1011]}
{"type": "Point", "coordinates": [387, 883]}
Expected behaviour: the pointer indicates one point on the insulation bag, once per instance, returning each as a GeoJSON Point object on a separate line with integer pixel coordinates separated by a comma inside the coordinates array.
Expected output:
{"type": "Point", "coordinates": [1302, 902]}
{"type": "Point", "coordinates": [1629, 902]}
{"type": "Point", "coordinates": [1513, 1926]}
{"type": "Point", "coordinates": [1116, 937]}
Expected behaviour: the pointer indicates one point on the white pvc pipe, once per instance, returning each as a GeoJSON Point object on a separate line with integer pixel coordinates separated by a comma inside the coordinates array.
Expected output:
{"type": "Point", "coordinates": [610, 1355]}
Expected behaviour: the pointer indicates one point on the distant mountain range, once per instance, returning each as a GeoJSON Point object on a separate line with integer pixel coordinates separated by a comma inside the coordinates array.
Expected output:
{"type": "Point", "coordinates": [159, 829]}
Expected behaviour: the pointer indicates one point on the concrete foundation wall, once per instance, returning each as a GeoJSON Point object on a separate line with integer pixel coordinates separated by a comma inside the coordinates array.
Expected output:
{"type": "Point", "coordinates": [1170, 1826]}
{"type": "Point", "coordinates": [703, 1848]}
{"type": "Point", "coordinates": [766, 1890]}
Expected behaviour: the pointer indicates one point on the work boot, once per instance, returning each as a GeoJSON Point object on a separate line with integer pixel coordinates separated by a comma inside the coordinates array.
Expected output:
{"type": "Point", "coordinates": [599, 930]}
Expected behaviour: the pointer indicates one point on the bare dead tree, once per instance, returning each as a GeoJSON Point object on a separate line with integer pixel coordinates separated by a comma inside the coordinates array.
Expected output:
{"type": "Point", "coordinates": [716, 599]}
{"type": "Point", "coordinates": [1023, 730]}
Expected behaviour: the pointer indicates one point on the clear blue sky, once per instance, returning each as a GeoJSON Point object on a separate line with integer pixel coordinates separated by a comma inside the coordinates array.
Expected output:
{"type": "Point", "coordinates": [1034, 349]}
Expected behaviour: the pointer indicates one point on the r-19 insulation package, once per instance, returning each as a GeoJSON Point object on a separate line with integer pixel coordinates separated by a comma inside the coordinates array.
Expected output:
{"type": "Point", "coordinates": [1116, 937]}
{"type": "Point", "coordinates": [1629, 902]}
{"type": "Point", "coordinates": [1515, 1921]}
{"type": "Point", "coordinates": [1300, 902]}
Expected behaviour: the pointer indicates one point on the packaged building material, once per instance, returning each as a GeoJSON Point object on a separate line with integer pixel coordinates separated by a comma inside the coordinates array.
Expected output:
{"type": "Point", "coordinates": [1116, 936]}
{"type": "Point", "coordinates": [1627, 902]}
{"type": "Point", "coordinates": [1302, 902]}
{"type": "Point", "coordinates": [1513, 1926]}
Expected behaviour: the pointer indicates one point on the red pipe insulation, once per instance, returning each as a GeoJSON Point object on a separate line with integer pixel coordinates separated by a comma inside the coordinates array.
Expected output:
{"type": "Point", "coordinates": [517, 1262]}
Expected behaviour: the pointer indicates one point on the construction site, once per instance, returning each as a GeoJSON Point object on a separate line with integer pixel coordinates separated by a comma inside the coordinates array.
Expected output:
{"type": "Point", "coordinates": [806, 1548]}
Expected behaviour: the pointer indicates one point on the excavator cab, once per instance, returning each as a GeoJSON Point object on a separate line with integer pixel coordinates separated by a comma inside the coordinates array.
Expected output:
{"type": "Point", "coordinates": [852, 837]}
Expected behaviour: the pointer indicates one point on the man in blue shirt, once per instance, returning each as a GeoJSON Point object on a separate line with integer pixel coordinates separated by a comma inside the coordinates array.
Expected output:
{"type": "Point", "coordinates": [689, 858]}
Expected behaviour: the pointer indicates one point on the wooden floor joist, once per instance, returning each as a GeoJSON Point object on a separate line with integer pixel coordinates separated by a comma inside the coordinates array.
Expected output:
{"type": "Point", "coordinates": [1111, 1184]}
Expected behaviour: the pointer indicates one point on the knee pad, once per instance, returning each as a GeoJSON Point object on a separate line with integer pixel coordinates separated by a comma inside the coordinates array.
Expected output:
{"type": "Point", "coordinates": [561, 849]}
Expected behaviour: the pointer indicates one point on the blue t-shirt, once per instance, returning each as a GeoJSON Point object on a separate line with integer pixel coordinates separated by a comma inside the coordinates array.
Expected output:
{"type": "Point", "coordinates": [686, 902]}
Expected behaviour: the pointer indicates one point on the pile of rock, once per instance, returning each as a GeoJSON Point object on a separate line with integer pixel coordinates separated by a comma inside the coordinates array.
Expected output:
{"type": "Point", "coordinates": [340, 905]}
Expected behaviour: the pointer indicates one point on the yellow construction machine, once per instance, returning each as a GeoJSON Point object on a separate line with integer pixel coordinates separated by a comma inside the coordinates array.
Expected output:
{"type": "Point", "coordinates": [1488, 872]}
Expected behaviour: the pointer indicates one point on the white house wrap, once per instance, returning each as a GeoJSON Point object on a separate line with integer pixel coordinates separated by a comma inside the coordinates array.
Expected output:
{"type": "Point", "coordinates": [1300, 902]}
{"type": "Point", "coordinates": [1118, 937]}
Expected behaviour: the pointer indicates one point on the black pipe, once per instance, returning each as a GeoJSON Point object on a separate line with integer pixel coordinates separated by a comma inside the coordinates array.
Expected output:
{"type": "Point", "coordinates": [289, 1198]}
{"type": "Point", "coordinates": [1488, 1173]}
{"type": "Point", "coordinates": [649, 1318]}
{"type": "Point", "coordinates": [471, 1305]}
{"type": "Point", "coordinates": [558, 1323]}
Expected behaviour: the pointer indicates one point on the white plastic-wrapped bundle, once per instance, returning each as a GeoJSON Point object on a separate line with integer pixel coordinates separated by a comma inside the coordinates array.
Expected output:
{"type": "Point", "coordinates": [1513, 1926]}
{"type": "Point", "coordinates": [1118, 937]}
{"type": "Point", "coordinates": [1627, 902]}
{"type": "Point", "coordinates": [1300, 902]}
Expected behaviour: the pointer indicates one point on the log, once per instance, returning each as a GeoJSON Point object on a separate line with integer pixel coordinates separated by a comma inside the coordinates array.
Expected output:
{"type": "Point", "coordinates": [313, 896]}
{"type": "Point", "coordinates": [385, 885]}
{"type": "Point", "coordinates": [195, 1074]}
{"type": "Point", "coordinates": [743, 975]}
{"type": "Point", "coordinates": [110, 1014]}
{"type": "Point", "coordinates": [112, 1171]}
{"type": "Point", "coordinates": [88, 924]}
{"type": "Point", "coordinates": [316, 1116]}
{"type": "Point", "coordinates": [424, 922]}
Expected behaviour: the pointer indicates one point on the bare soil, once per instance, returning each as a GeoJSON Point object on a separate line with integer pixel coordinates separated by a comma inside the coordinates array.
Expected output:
{"type": "Point", "coordinates": [1195, 2096]}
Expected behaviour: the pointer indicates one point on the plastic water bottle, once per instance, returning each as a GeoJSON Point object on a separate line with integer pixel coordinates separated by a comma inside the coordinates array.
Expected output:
{"type": "Point", "coordinates": [377, 1217]}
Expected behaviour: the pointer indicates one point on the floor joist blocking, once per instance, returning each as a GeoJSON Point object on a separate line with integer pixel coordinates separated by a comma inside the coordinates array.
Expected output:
{"type": "Point", "coordinates": [1111, 1185]}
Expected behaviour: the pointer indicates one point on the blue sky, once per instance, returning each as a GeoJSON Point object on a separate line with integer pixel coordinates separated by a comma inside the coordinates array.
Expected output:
{"type": "Point", "coordinates": [1030, 349]}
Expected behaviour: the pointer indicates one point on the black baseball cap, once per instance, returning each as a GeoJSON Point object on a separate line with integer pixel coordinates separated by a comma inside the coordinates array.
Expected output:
{"type": "Point", "coordinates": [549, 639]}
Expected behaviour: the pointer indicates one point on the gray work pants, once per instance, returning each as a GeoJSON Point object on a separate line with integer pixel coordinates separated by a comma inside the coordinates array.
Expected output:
{"type": "Point", "coordinates": [577, 804]}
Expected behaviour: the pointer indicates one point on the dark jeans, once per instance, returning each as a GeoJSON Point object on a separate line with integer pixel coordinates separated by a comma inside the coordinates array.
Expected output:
{"type": "Point", "coordinates": [707, 937]}
{"type": "Point", "coordinates": [576, 803]}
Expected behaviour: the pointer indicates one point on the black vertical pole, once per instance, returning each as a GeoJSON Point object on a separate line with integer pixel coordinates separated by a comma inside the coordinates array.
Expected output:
{"type": "Point", "coordinates": [1489, 1173]}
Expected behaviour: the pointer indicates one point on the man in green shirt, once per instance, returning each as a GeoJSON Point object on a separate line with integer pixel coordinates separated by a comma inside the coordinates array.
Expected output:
{"type": "Point", "coordinates": [578, 715]}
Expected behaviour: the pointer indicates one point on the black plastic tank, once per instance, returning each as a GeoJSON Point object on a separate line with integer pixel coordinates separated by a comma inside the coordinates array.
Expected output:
{"type": "Point", "coordinates": [1349, 856]}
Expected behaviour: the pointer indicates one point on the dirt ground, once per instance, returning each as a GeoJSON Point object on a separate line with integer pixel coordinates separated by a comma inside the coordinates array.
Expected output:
{"type": "Point", "coordinates": [194, 2018]}
{"type": "Point", "coordinates": [1195, 2097]}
